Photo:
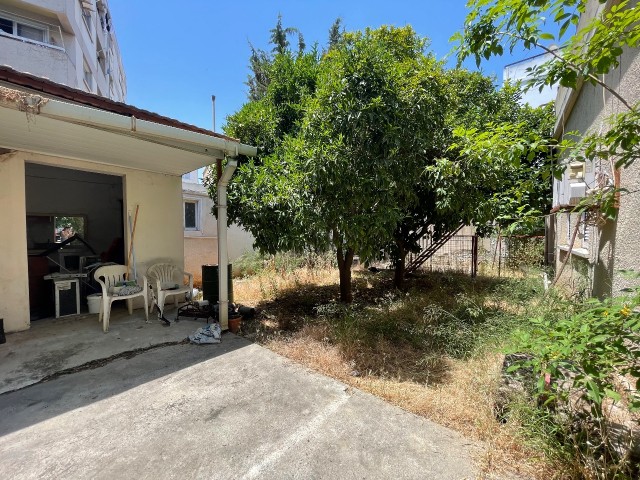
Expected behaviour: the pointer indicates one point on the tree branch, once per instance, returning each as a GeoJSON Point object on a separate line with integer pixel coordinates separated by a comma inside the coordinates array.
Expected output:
{"type": "Point", "coordinates": [573, 66]}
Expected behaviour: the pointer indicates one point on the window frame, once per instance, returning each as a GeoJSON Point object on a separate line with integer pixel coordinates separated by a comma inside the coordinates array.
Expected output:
{"type": "Point", "coordinates": [87, 18]}
{"type": "Point", "coordinates": [87, 75]}
{"type": "Point", "coordinates": [196, 203]}
{"type": "Point", "coordinates": [16, 20]}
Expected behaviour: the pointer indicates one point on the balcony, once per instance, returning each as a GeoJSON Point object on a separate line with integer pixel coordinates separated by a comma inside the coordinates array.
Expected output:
{"type": "Point", "coordinates": [28, 30]}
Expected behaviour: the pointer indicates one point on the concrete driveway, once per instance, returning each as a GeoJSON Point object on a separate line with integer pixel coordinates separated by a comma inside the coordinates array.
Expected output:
{"type": "Point", "coordinates": [233, 410]}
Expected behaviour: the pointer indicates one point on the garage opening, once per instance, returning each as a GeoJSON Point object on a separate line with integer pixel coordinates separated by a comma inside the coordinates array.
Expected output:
{"type": "Point", "coordinates": [75, 221]}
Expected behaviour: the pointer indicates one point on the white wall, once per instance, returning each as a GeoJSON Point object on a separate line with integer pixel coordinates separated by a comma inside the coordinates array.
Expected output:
{"type": "Point", "coordinates": [518, 71]}
{"type": "Point", "coordinates": [239, 240]}
{"type": "Point", "coordinates": [65, 66]}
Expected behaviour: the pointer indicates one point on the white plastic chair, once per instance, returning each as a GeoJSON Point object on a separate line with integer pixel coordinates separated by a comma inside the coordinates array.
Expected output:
{"type": "Point", "coordinates": [108, 277]}
{"type": "Point", "coordinates": [168, 280]}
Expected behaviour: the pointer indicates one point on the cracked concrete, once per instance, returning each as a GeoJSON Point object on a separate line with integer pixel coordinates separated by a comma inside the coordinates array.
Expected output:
{"type": "Point", "coordinates": [233, 410]}
{"type": "Point", "coordinates": [52, 345]}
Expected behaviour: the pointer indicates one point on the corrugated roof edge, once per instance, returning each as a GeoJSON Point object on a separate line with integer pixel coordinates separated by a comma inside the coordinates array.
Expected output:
{"type": "Point", "coordinates": [27, 80]}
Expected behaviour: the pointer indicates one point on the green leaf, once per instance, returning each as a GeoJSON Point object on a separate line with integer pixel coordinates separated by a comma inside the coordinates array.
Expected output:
{"type": "Point", "coordinates": [612, 394]}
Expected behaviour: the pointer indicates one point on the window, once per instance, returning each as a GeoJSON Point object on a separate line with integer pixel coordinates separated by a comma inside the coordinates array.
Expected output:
{"type": "Point", "coordinates": [32, 33]}
{"type": "Point", "coordinates": [191, 215]}
{"type": "Point", "coordinates": [6, 25]}
{"type": "Point", "coordinates": [23, 29]}
{"type": "Point", "coordinates": [585, 231]}
{"type": "Point", "coordinates": [86, 16]}
{"type": "Point", "coordinates": [88, 76]}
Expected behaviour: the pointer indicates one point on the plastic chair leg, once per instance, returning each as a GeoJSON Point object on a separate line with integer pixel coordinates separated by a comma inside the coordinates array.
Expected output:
{"type": "Point", "coordinates": [107, 314]}
{"type": "Point", "coordinates": [146, 307]}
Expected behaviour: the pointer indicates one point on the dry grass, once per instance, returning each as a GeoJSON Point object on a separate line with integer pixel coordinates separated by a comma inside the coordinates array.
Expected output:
{"type": "Point", "coordinates": [455, 392]}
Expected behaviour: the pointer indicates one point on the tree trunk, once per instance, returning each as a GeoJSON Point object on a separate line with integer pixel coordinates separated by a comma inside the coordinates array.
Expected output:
{"type": "Point", "coordinates": [399, 266]}
{"type": "Point", "coordinates": [344, 266]}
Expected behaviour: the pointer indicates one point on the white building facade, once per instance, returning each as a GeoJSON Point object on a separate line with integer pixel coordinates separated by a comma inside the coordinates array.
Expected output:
{"type": "Point", "coordinates": [70, 42]}
{"type": "Point", "coordinates": [201, 229]}
{"type": "Point", "coordinates": [520, 72]}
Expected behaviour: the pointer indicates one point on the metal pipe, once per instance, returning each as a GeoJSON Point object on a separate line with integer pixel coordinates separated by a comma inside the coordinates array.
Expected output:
{"type": "Point", "coordinates": [223, 252]}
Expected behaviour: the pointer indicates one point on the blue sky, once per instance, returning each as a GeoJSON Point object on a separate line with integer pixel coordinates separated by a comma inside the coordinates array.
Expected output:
{"type": "Point", "coordinates": [177, 54]}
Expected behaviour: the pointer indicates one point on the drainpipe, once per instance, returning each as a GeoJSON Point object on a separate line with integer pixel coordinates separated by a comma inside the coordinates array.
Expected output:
{"type": "Point", "coordinates": [223, 252]}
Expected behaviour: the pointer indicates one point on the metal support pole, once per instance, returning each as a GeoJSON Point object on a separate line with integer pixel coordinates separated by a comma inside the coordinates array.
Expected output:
{"type": "Point", "coordinates": [223, 253]}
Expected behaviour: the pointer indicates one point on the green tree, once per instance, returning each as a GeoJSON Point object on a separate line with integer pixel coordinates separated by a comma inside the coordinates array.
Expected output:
{"type": "Point", "coordinates": [279, 36]}
{"type": "Point", "coordinates": [264, 194]}
{"type": "Point", "coordinates": [586, 55]}
{"type": "Point", "coordinates": [341, 139]}
{"type": "Point", "coordinates": [335, 33]}
{"type": "Point", "coordinates": [370, 129]}
{"type": "Point", "coordinates": [459, 188]}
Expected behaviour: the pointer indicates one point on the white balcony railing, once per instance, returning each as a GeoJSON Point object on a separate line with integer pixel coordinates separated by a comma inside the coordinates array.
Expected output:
{"type": "Point", "coordinates": [29, 30]}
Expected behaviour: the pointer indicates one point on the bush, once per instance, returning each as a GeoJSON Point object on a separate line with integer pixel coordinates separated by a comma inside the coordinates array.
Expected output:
{"type": "Point", "coordinates": [525, 252]}
{"type": "Point", "coordinates": [582, 363]}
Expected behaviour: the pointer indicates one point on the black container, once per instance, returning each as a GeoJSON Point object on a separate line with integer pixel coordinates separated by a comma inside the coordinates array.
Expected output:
{"type": "Point", "coordinates": [210, 284]}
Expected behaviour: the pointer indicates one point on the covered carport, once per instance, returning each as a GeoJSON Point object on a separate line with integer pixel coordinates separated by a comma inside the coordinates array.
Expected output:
{"type": "Point", "coordinates": [44, 125]}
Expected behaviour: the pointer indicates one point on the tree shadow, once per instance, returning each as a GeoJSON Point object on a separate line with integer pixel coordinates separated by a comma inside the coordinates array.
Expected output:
{"type": "Point", "coordinates": [413, 335]}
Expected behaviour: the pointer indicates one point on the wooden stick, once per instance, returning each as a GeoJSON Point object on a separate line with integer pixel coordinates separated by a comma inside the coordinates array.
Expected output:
{"type": "Point", "coordinates": [566, 258]}
{"type": "Point", "coordinates": [133, 234]}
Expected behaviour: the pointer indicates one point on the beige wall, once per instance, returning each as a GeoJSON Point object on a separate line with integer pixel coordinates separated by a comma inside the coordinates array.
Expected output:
{"type": "Point", "coordinates": [199, 251]}
{"type": "Point", "coordinates": [158, 237]}
{"type": "Point", "coordinates": [612, 246]}
{"type": "Point", "coordinates": [14, 282]}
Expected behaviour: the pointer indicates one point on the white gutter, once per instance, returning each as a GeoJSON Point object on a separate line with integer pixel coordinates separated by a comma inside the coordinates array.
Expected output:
{"type": "Point", "coordinates": [223, 252]}
{"type": "Point", "coordinates": [144, 129]}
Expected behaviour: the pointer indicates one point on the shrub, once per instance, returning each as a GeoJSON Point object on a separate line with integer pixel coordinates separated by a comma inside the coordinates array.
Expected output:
{"type": "Point", "coordinates": [580, 362]}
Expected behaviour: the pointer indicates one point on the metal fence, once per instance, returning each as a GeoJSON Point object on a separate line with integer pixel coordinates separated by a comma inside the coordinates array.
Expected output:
{"type": "Point", "coordinates": [491, 255]}
{"type": "Point", "coordinates": [459, 254]}
{"type": "Point", "coordinates": [502, 254]}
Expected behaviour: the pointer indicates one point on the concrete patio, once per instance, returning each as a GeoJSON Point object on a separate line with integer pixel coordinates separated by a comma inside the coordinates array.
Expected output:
{"type": "Point", "coordinates": [231, 410]}
{"type": "Point", "coordinates": [53, 345]}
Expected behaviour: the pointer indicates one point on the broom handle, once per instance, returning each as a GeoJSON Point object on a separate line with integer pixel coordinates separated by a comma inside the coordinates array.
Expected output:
{"type": "Point", "coordinates": [133, 234]}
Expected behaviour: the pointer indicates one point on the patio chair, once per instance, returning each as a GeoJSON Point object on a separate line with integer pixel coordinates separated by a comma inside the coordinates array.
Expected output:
{"type": "Point", "coordinates": [168, 280]}
{"type": "Point", "coordinates": [109, 277]}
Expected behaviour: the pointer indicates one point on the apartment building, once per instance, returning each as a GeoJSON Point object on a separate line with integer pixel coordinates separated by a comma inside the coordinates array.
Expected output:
{"type": "Point", "coordinates": [71, 42]}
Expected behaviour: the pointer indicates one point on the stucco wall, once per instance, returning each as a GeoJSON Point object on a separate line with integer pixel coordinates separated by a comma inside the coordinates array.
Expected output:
{"type": "Point", "coordinates": [68, 29]}
{"type": "Point", "coordinates": [615, 245]}
{"type": "Point", "coordinates": [14, 283]}
{"type": "Point", "coordinates": [37, 59]}
{"type": "Point", "coordinates": [158, 237]}
{"type": "Point", "coordinates": [199, 251]}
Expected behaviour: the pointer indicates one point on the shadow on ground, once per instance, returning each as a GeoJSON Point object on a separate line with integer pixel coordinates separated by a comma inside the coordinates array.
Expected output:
{"type": "Point", "coordinates": [409, 335]}
{"type": "Point", "coordinates": [96, 389]}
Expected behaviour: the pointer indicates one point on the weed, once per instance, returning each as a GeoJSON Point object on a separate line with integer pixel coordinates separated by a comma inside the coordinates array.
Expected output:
{"type": "Point", "coordinates": [435, 351]}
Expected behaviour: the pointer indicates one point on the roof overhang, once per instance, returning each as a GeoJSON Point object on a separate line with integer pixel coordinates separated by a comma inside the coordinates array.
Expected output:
{"type": "Point", "coordinates": [33, 123]}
